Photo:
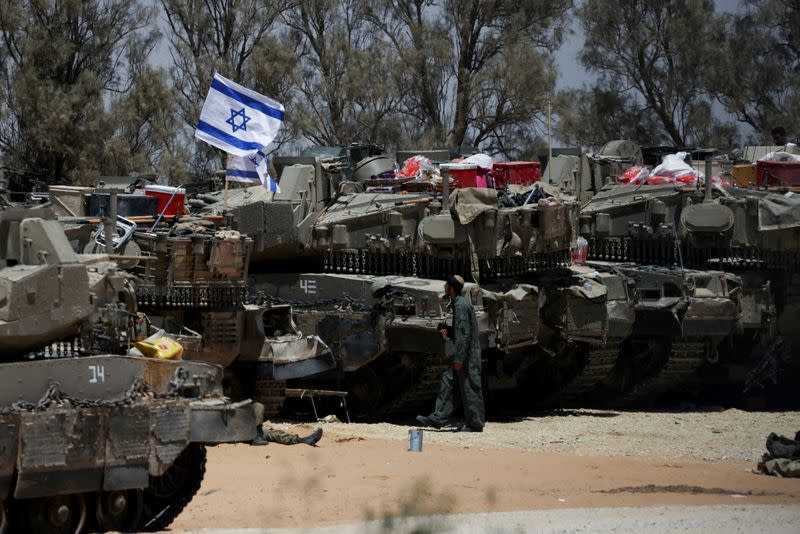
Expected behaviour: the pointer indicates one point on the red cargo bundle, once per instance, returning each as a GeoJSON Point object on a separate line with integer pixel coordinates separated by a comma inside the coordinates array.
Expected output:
{"type": "Point", "coordinates": [778, 173]}
{"type": "Point", "coordinates": [516, 173]}
{"type": "Point", "coordinates": [467, 175]}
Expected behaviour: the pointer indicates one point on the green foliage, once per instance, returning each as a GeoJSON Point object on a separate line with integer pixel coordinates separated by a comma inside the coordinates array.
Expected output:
{"type": "Point", "coordinates": [343, 92]}
{"type": "Point", "coordinates": [80, 95]}
{"type": "Point", "coordinates": [472, 71]}
{"type": "Point", "coordinates": [65, 64]}
{"type": "Point", "coordinates": [591, 116]}
{"type": "Point", "coordinates": [144, 130]}
{"type": "Point", "coordinates": [654, 55]}
{"type": "Point", "coordinates": [240, 40]}
{"type": "Point", "coordinates": [758, 76]}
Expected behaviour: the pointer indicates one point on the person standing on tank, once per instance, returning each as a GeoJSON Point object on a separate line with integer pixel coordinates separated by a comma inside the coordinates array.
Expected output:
{"type": "Point", "coordinates": [780, 138]}
{"type": "Point", "coordinates": [465, 370]}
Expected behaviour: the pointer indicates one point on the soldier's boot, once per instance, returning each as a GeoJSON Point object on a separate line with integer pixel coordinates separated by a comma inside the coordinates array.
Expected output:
{"type": "Point", "coordinates": [428, 421]}
{"type": "Point", "coordinates": [312, 438]}
{"type": "Point", "coordinates": [260, 439]}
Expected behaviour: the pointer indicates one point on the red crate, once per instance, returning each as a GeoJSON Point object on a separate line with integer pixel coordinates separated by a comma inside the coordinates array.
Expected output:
{"type": "Point", "coordinates": [471, 176]}
{"type": "Point", "coordinates": [168, 197]}
{"type": "Point", "coordinates": [517, 173]}
{"type": "Point", "coordinates": [778, 173]}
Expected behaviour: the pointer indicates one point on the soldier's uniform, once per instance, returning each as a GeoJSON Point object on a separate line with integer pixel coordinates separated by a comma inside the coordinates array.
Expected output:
{"type": "Point", "coordinates": [267, 433]}
{"type": "Point", "coordinates": [468, 379]}
{"type": "Point", "coordinates": [279, 436]}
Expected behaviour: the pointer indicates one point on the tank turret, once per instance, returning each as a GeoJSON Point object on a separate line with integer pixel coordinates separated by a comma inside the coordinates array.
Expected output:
{"type": "Point", "coordinates": [93, 437]}
{"type": "Point", "coordinates": [315, 225]}
{"type": "Point", "coordinates": [752, 235]}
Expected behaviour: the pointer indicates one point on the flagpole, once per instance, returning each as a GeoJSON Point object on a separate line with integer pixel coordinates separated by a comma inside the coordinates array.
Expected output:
{"type": "Point", "coordinates": [225, 189]}
{"type": "Point", "coordinates": [549, 141]}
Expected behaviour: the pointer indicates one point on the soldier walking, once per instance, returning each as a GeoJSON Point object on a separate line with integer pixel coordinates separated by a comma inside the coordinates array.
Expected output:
{"type": "Point", "coordinates": [465, 371]}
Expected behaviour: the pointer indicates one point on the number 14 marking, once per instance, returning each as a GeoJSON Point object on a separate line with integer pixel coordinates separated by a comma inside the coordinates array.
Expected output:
{"type": "Point", "coordinates": [97, 374]}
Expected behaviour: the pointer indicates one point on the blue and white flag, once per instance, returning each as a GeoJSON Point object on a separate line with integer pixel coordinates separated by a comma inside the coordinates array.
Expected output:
{"type": "Point", "coordinates": [238, 120]}
{"type": "Point", "coordinates": [253, 169]}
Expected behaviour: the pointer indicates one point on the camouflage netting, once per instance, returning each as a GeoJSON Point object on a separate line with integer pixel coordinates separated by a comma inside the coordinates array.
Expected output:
{"type": "Point", "coordinates": [779, 212]}
{"type": "Point", "coordinates": [470, 202]}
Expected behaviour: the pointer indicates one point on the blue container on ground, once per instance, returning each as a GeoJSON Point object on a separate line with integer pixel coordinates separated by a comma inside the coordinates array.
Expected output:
{"type": "Point", "coordinates": [415, 440]}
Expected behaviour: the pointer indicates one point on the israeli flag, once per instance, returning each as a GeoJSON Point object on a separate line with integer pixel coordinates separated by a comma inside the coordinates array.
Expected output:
{"type": "Point", "coordinates": [253, 169]}
{"type": "Point", "coordinates": [238, 120]}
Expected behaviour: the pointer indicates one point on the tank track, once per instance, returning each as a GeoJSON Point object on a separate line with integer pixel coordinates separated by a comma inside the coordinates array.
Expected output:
{"type": "Point", "coordinates": [164, 500]}
{"type": "Point", "coordinates": [422, 392]}
{"type": "Point", "coordinates": [685, 359]}
{"type": "Point", "coordinates": [600, 362]}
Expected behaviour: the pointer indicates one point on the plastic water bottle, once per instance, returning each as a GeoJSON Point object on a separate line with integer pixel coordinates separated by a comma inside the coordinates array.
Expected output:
{"type": "Point", "coordinates": [580, 252]}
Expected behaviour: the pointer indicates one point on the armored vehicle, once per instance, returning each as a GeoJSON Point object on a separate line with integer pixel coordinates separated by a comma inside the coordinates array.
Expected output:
{"type": "Point", "coordinates": [91, 438]}
{"type": "Point", "coordinates": [360, 271]}
{"type": "Point", "coordinates": [385, 331]}
{"type": "Point", "coordinates": [323, 241]}
{"type": "Point", "coordinates": [681, 318]}
{"type": "Point", "coordinates": [583, 175]}
{"type": "Point", "coordinates": [586, 317]}
{"type": "Point", "coordinates": [195, 281]}
{"type": "Point", "coordinates": [315, 225]}
{"type": "Point", "coordinates": [754, 235]}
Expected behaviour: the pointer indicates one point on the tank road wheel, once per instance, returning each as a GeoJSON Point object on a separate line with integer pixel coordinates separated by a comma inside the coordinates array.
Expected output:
{"type": "Point", "coordinates": [169, 493]}
{"type": "Point", "coordinates": [118, 510]}
{"type": "Point", "coordinates": [65, 514]}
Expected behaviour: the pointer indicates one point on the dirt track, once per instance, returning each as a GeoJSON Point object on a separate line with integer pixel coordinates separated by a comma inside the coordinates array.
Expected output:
{"type": "Point", "coordinates": [583, 459]}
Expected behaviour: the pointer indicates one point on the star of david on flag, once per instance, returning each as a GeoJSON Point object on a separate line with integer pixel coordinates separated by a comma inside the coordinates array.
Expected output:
{"type": "Point", "coordinates": [238, 120]}
{"type": "Point", "coordinates": [242, 125]}
{"type": "Point", "coordinates": [253, 169]}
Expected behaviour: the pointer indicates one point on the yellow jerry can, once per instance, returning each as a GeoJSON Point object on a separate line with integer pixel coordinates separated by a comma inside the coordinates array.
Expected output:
{"type": "Point", "coordinates": [161, 347]}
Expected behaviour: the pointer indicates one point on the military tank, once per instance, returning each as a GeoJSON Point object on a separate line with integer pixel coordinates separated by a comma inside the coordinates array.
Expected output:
{"type": "Point", "coordinates": [586, 316]}
{"type": "Point", "coordinates": [196, 281]}
{"type": "Point", "coordinates": [620, 329]}
{"type": "Point", "coordinates": [92, 438]}
{"type": "Point", "coordinates": [323, 241]}
{"type": "Point", "coordinates": [385, 332]}
{"type": "Point", "coordinates": [747, 240]}
{"type": "Point", "coordinates": [315, 224]}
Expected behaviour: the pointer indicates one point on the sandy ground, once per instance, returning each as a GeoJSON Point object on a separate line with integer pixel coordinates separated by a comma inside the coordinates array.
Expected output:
{"type": "Point", "coordinates": [712, 519]}
{"type": "Point", "coordinates": [577, 459]}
